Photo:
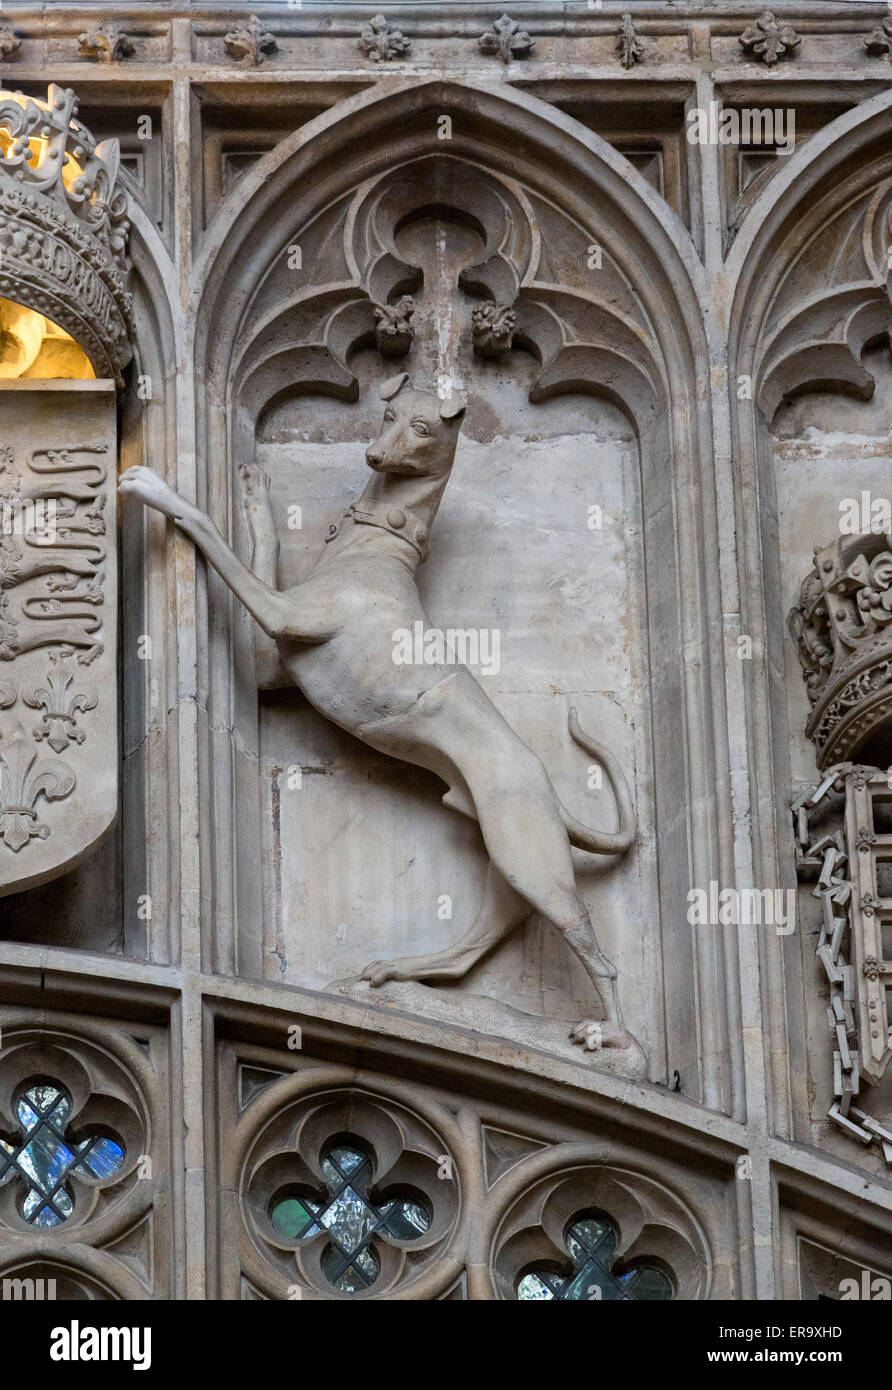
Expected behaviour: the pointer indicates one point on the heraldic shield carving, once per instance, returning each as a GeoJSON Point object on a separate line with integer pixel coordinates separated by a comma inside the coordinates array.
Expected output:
{"type": "Point", "coordinates": [58, 626]}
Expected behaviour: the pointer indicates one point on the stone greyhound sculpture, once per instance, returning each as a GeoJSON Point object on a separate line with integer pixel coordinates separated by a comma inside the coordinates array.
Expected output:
{"type": "Point", "coordinates": [335, 636]}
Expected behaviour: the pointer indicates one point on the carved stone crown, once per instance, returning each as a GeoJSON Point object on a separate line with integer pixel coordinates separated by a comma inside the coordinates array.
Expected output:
{"type": "Point", "coordinates": [63, 225]}
{"type": "Point", "coordinates": [843, 624]}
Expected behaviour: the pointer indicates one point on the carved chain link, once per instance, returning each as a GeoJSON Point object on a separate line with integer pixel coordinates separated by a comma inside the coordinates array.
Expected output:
{"type": "Point", "coordinates": [829, 855]}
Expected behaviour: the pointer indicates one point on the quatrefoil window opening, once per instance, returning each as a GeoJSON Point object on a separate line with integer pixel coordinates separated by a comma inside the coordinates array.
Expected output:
{"type": "Point", "coordinates": [351, 1218]}
{"type": "Point", "coordinates": [591, 1242]}
{"type": "Point", "coordinates": [45, 1158]}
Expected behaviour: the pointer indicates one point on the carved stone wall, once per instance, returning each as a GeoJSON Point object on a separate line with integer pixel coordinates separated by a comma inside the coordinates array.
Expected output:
{"type": "Point", "coordinates": [674, 352]}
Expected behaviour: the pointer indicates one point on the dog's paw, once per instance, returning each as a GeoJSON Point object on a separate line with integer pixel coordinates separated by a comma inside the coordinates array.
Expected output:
{"type": "Point", "coordinates": [255, 482]}
{"type": "Point", "coordinates": [594, 1034]}
{"type": "Point", "coordinates": [145, 484]}
{"type": "Point", "coordinates": [378, 973]}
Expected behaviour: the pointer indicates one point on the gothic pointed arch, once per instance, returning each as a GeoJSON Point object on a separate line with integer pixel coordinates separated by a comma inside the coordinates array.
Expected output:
{"type": "Point", "coordinates": [608, 295]}
{"type": "Point", "coordinates": [807, 278]}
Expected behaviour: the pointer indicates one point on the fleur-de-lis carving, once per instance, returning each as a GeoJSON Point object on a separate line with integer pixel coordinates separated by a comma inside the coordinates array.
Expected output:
{"type": "Point", "coordinates": [767, 40]}
{"type": "Point", "coordinates": [10, 43]}
{"type": "Point", "coordinates": [880, 40]}
{"type": "Point", "coordinates": [864, 839]}
{"type": "Point", "coordinates": [872, 968]}
{"type": "Point", "coordinates": [382, 43]}
{"type": "Point", "coordinates": [106, 44]}
{"type": "Point", "coordinates": [629, 46]}
{"type": "Point", "coordinates": [249, 42]}
{"type": "Point", "coordinates": [60, 706]}
{"type": "Point", "coordinates": [23, 780]}
{"type": "Point", "coordinates": [393, 326]}
{"type": "Point", "coordinates": [492, 328]}
{"type": "Point", "coordinates": [507, 39]}
{"type": "Point", "coordinates": [867, 903]}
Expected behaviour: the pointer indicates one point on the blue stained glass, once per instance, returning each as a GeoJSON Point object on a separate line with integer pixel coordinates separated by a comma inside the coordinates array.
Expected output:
{"type": "Point", "coordinates": [102, 1157]}
{"type": "Point", "coordinates": [27, 1117]}
{"type": "Point", "coordinates": [44, 1160]}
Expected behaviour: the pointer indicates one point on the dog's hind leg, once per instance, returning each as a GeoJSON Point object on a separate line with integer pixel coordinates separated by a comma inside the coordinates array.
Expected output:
{"type": "Point", "coordinates": [501, 910]}
{"type": "Point", "coordinates": [520, 818]}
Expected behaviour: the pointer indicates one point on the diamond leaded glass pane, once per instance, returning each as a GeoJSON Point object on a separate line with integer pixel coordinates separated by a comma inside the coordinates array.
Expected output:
{"type": "Point", "coordinates": [350, 1218]}
{"type": "Point", "coordinates": [591, 1243]}
{"type": "Point", "coordinates": [44, 1159]}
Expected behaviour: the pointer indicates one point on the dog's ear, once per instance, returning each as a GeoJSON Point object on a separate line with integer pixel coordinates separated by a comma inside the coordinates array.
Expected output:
{"type": "Point", "coordinates": [452, 408]}
{"type": "Point", "coordinates": [393, 385]}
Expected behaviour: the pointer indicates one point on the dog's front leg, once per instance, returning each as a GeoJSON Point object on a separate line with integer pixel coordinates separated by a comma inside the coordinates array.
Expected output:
{"type": "Point", "coordinates": [264, 539]}
{"type": "Point", "coordinates": [269, 673]}
{"type": "Point", "coordinates": [267, 606]}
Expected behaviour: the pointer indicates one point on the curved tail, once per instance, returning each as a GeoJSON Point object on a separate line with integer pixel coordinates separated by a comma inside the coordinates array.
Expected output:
{"type": "Point", "coordinates": [598, 841]}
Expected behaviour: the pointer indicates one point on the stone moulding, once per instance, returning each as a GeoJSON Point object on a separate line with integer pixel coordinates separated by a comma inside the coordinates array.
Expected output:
{"type": "Point", "coordinates": [64, 226]}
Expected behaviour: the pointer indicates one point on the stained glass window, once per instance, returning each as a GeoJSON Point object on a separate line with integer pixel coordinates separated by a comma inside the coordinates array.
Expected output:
{"type": "Point", "coordinates": [353, 1221]}
{"type": "Point", "coordinates": [44, 1158]}
{"type": "Point", "coordinates": [591, 1242]}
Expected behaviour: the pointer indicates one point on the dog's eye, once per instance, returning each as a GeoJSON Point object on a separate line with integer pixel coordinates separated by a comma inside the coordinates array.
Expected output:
{"type": "Point", "coordinates": [421, 428]}
{"type": "Point", "coordinates": [388, 414]}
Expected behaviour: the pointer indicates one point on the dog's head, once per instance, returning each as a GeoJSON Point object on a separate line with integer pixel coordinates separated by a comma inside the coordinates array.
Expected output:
{"type": "Point", "coordinates": [419, 433]}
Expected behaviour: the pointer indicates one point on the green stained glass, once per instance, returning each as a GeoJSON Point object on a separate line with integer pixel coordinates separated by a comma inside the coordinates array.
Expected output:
{"type": "Point", "coordinates": [351, 1219]}
{"type": "Point", "coordinates": [295, 1218]}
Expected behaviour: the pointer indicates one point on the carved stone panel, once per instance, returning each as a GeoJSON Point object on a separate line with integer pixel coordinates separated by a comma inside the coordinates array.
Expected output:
{"type": "Point", "coordinates": [58, 626]}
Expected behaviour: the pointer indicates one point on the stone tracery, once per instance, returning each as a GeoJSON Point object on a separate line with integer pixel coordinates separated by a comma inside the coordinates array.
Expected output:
{"type": "Point", "coordinates": [631, 330]}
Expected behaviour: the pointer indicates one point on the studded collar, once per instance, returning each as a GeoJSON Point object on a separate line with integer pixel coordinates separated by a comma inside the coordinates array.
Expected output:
{"type": "Point", "coordinates": [390, 518]}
